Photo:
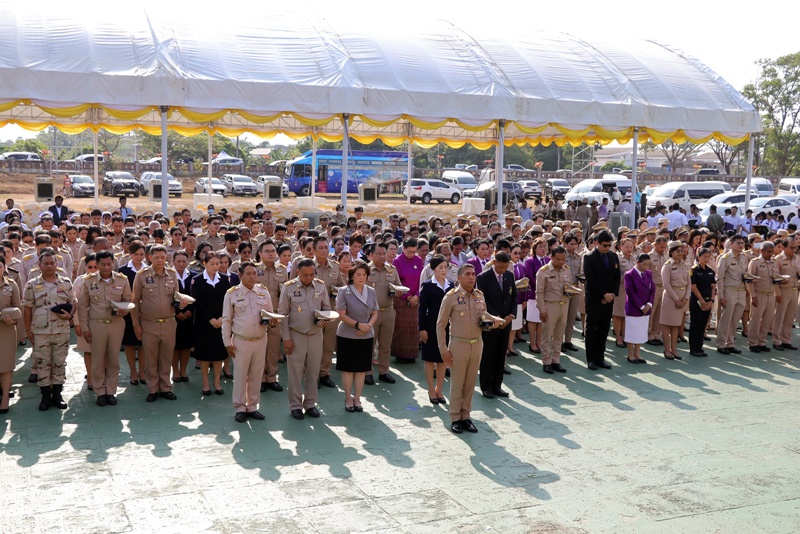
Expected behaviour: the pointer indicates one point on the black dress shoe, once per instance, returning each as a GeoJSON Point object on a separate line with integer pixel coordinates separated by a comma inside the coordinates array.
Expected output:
{"type": "Point", "coordinates": [506, 370]}
{"type": "Point", "coordinates": [488, 394]}
{"type": "Point", "coordinates": [591, 366]}
{"type": "Point", "coordinates": [389, 379]}
{"type": "Point", "coordinates": [764, 348]}
{"type": "Point", "coordinates": [314, 412]}
{"type": "Point", "coordinates": [219, 391]}
{"type": "Point", "coordinates": [184, 379]}
{"type": "Point", "coordinates": [569, 346]}
{"type": "Point", "coordinates": [434, 400]}
{"type": "Point", "coordinates": [467, 425]}
{"type": "Point", "coordinates": [788, 346]}
{"type": "Point", "coordinates": [655, 342]}
{"type": "Point", "coordinates": [707, 338]}
{"type": "Point", "coordinates": [206, 392]}
{"type": "Point", "coordinates": [510, 353]}
{"type": "Point", "coordinates": [632, 361]}
{"type": "Point", "coordinates": [101, 400]}
{"type": "Point", "coordinates": [33, 378]}
{"type": "Point", "coordinates": [274, 386]}
{"type": "Point", "coordinates": [724, 350]}
{"type": "Point", "coordinates": [226, 375]}
{"type": "Point", "coordinates": [500, 392]}
{"type": "Point", "coordinates": [256, 415]}
{"type": "Point", "coordinates": [442, 400]}
{"type": "Point", "coordinates": [168, 395]}
{"type": "Point", "coordinates": [298, 413]}
{"type": "Point", "coordinates": [641, 360]}
{"type": "Point", "coordinates": [152, 397]}
{"type": "Point", "coordinates": [779, 348]}
{"type": "Point", "coordinates": [604, 364]}
{"type": "Point", "coordinates": [548, 369]}
{"type": "Point", "coordinates": [134, 382]}
{"type": "Point", "coordinates": [447, 373]}
{"type": "Point", "coordinates": [369, 380]}
{"type": "Point", "coordinates": [557, 368]}
{"type": "Point", "coordinates": [704, 354]}
{"type": "Point", "coordinates": [240, 417]}
{"type": "Point", "coordinates": [263, 387]}
{"type": "Point", "coordinates": [456, 427]}
{"type": "Point", "coordinates": [696, 353]}
{"type": "Point", "coordinates": [734, 350]}
{"type": "Point", "coordinates": [754, 348]}
{"type": "Point", "coordinates": [111, 400]}
{"type": "Point", "coordinates": [327, 382]}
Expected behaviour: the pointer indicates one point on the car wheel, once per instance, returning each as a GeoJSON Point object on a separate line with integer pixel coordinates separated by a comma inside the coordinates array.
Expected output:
{"type": "Point", "coordinates": [178, 195]}
{"type": "Point", "coordinates": [426, 198]}
{"type": "Point", "coordinates": [304, 191]}
{"type": "Point", "coordinates": [454, 199]}
{"type": "Point", "coordinates": [413, 200]}
{"type": "Point", "coordinates": [135, 195]}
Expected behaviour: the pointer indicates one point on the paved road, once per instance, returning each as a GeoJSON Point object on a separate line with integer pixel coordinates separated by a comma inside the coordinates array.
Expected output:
{"type": "Point", "coordinates": [702, 445]}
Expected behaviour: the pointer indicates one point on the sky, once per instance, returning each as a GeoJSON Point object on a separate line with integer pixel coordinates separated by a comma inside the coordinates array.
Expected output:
{"type": "Point", "coordinates": [726, 39]}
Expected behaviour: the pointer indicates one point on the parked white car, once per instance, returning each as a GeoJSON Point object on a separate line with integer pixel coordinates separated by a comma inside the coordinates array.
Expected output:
{"type": "Point", "coordinates": [532, 188]}
{"type": "Point", "coordinates": [239, 185]}
{"type": "Point", "coordinates": [217, 187]}
{"type": "Point", "coordinates": [261, 180]}
{"type": "Point", "coordinates": [20, 156]}
{"type": "Point", "coordinates": [175, 187]}
{"type": "Point", "coordinates": [427, 190]}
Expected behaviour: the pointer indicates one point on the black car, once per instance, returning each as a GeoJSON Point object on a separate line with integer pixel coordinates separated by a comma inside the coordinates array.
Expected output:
{"type": "Point", "coordinates": [119, 183]}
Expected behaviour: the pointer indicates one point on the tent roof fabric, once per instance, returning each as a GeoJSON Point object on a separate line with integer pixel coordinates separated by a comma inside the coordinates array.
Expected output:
{"type": "Point", "coordinates": [297, 73]}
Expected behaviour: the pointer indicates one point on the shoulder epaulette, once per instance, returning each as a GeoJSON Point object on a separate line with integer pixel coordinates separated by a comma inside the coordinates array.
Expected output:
{"type": "Point", "coordinates": [231, 290]}
{"type": "Point", "coordinates": [27, 257]}
{"type": "Point", "coordinates": [476, 290]}
{"type": "Point", "coordinates": [291, 281]}
{"type": "Point", "coordinates": [452, 291]}
{"type": "Point", "coordinates": [13, 270]}
{"type": "Point", "coordinates": [318, 280]}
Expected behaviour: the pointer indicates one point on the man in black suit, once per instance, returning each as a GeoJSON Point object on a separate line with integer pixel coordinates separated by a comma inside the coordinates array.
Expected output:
{"type": "Point", "coordinates": [59, 211]}
{"type": "Point", "coordinates": [601, 269]}
{"type": "Point", "coordinates": [500, 292]}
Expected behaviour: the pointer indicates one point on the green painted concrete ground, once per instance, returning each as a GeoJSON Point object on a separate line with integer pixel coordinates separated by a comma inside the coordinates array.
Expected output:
{"type": "Point", "coordinates": [702, 445]}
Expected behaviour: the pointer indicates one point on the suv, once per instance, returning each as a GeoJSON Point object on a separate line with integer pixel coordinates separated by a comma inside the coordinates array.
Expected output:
{"type": "Point", "coordinates": [118, 183]}
{"type": "Point", "coordinates": [217, 187]}
{"type": "Point", "coordinates": [175, 187]}
{"type": "Point", "coordinates": [20, 156]}
{"type": "Point", "coordinates": [262, 180]}
{"type": "Point", "coordinates": [488, 192]}
{"type": "Point", "coordinates": [556, 187]}
{"type": "Point", "coordinates": [427, 190]}
{"type": "Point", "coordinates": [239, 185]}
{"type": "Point", "coordinates": [531, 188]}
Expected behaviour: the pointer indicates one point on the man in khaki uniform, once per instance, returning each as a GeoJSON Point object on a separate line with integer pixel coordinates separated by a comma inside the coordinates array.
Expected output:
{"type": "Point", "coordinates": [732, 294]}
{"type": "Point", "coordinates": [575, 263]}
{"type": "Point", "coordinates": [47, 330]}
{"type": "Point", "coordinates": [101, 327]}
{"type": "Point", "coordinates": [789, 265]}
{"type": "Point", "coordinates": [462, 308]}
{"type": "Point", "coordinates": [553, 306]}
{"type": "Point", "coordinates": [658, 257]}
{"type": "Point", "coordinates": [154, 321]}
{"type": "Point", "coordinates": [328, 271]}
{"type": "Point", "coordinates": [212, 236]}
{"type": "Point", "coordinates": [381, 275]}
{"type": "Point", "coordinates": [272, 275]}
{"type": "Point", "coordinates": [245, 338]}
{"type": "Point", "coordinates": [302, 336]}
{"type": "Point", "coordinates": [764, 294]}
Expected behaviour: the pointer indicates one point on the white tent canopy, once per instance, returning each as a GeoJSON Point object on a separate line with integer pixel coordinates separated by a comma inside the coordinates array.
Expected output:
{"type": "Point", "coordinates": [297, 73]}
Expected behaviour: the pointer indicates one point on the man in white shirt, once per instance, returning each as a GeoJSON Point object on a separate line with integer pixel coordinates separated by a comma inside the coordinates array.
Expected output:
{"type": "Point", "coordinates": [748, 222]}
{"type": "Point", "coordinates": [675, 218]}
{"type": "Point", "coordinates": [733, 220]}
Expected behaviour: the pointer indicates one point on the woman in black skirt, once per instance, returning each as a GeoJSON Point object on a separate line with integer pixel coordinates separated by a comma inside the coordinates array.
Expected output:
{"type": "Point", "coordinates": [209, 288]}
{"type": "Point", "coordinates": [183, 332]}
{"type": "Point", "coordinates": [430, 300]}
{"type": "Point", "coordinates": [133, 345]}
{"type": "Point", "coordinates": [358, 311]}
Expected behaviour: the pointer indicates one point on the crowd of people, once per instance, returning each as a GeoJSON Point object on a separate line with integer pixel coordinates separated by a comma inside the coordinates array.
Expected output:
{"type": "Point", "coordinates": [242, 294]}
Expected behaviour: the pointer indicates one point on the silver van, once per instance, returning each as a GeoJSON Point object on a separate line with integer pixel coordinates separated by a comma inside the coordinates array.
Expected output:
{"type": "Point", "coordinates": [460, 179]}
{"type": "Point", "coordinates": [685, 193]}
{"type": "Point", "coordinates": [789, 186]}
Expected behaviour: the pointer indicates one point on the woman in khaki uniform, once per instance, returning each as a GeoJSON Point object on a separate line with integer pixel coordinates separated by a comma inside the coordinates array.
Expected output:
{"type": "Point", "coordinates": [9, 298]}
{"type": "Point", "coordinates": [627, 261]}
{"type": "Point", "coordinates": [677, 289]}
{"type": "Point", "coordinates": [83, 346]}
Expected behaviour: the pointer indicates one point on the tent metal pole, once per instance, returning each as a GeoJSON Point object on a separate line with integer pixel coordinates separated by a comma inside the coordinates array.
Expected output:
{"type": "Point", "coordinates": [313, 164]}
{"type": "Point", "coordinates": [749, 180]}
{"type": "Point", "coordinates": [634, 176]}
{"type": "Point", "coordinates": [164, 179]}
{"type": "Point", "coordinates": [498, 165]}
{"type": "Point", "coordinates": [209, 188]}
{"type": "Point", "coordinates": [345, 155]}
{"type": "Point", "coordinates": [96, 165]}
{"type": "Point", "coordinates": [410, 164]}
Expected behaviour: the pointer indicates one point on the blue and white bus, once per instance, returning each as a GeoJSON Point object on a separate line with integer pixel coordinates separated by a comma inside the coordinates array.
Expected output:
{"type": "Point", "coordinates": [363, 166]}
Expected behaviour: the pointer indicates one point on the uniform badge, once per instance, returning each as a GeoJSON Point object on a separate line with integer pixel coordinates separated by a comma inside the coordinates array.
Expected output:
{"type": "Point", "coordinates": [93, 286]}
{"type": "Point", "coordinates": [149, 280]}
{"type": "Point", "coordinates": [460, 300]}
{"type": "Point", "coordinates": [297, 293]}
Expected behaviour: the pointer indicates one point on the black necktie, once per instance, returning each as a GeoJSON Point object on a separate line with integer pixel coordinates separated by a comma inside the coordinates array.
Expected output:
{"type": "Point", "coordinates": [605, 261]}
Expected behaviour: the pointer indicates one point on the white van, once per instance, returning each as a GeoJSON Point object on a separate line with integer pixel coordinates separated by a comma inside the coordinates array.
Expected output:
{"type": "Point", "coordinates": [460, 179]}
{"type": "Point", "coordinates": [789, 186]}
{"type": "Point", "coordinates": [685, 193]}
{"type": "Point", "coordinates": [597, 189]}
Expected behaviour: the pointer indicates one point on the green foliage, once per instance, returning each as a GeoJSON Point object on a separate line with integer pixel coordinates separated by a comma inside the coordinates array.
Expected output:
{"type": "Point", "coordinates": [28, 145]}
{"type": "Point", "coordinates": [611, 165]}
{"type": "Point", "coordinates": [195, 147]}
{"type": "Point", "coordinates": [777, 96]}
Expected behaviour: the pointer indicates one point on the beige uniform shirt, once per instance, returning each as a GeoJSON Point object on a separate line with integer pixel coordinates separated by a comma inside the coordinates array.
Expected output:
{"type": "Point", "coordinates": [463, 311]}
{"type": "Point", "coordinates": [75, 248]}
{"type": "Point", "coordinates": [764, 269]}
{"type": "Point", "coordinates": [789, 267]}
{"type": "Point", "coordinates": [575, 264]}
{"type": "Point", "coordinates": [657, 261]}
{"type": "Point", "coordinates": [550, 285]}
{"type": "Point", "coordinates": [379, 280]}
{"type": "Point", "coordinates": [40, 296]}
{"type": "Point", "coordinates": [272, 277]}
{"type": "Point", "coordinates": [330, 274]}
{"type": "Point", "coordinates": [96, 295]}
{"type": "Point", "coordinates": [677, 282]}
{"type": "Point", "coordinates": [217, 242]}
{"type": "Point", "coordinates": [241, 313]}
{"type": "Point", "coordinates": [153, 295]}
{"type": "Point", "coordinates": [299, 303]}
{"type": "Point", "coordinates": [729, 272]}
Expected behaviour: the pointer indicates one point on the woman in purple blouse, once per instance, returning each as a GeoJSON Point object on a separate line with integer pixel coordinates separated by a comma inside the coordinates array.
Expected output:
{"type": "Point", "coordinates": [405, 340]}
{"type": "Point", "coordinates": [522, 300]}
{"type": "Point", "coordinates": [538, 259]}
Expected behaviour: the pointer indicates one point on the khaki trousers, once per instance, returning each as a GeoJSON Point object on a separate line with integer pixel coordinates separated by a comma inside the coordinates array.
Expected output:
{"type": "Point", "coordinates": [572, 312]}
{"type": "Point", "coordinates": [247, 371]}
{"type": "Point", "coordinates": [328, 347]}
{"type": "Point", "coordinates": [384, 328]}
{"type": "Point", "coordinates": [463, 376]}
{"type": "Point", "coordinates": [729, 316]}
{"type": "Point", "coordinates": [106, 342]}
{"type": "Point", "coordinates": [50, 358]}
{"type": "Point", "coordinates": [784, 316]}
{"type": "Point", "coordinates": [303, 366]}
{"type": "Point", "coordinates": [761, 318]}
{"type": "Point", "coordinates": [158, 346]}
{"type": "Point", "coordinates": [654, 327]}
{"type": "Point", "coordinates": [273, 354]}
{"type": "Point", "coordinates": [553, 331]}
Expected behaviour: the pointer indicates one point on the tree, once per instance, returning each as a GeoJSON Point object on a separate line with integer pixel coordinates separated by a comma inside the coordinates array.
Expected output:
{"type": "Point", "coordinates": [611, 165]}
{"type": "Point", "coordinates": [28, 145]}
{"type": "Point", "coordinates": [776, 95]}
{"type": "Point", "coordinates": [676, 153]}
{"type": "Point", "coordinates": [726, 153]}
